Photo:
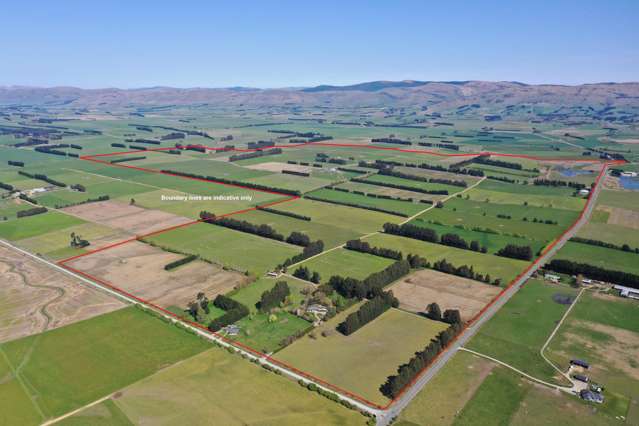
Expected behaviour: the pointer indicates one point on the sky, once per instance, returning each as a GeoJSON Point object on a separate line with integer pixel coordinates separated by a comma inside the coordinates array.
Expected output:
{"type": "Point", "coordinates": [215, 43]}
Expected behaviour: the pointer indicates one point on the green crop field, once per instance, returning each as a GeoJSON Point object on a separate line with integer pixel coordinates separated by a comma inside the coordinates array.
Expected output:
{"type": "Point", "coordinates": [620, 199]}
{"type": "Point", "coordinates": [483, 215]}
{"type": "Point", "coordinates": [32, 226]}
{"type": "Point", "coordinates": [493, 242]}
{"type": "Point", "coordinates": [362, 361]}
{"type": "Point", "coordinates": [66, 368]}
{"type": "Point", "coordinates": [347, 219]}
{"type": "Point", "coordinates": [264, 333]}
{"type": "Point", "coordinates": [413, 183]}
{"type": "Point", "coordinates": [609, 233]}
{"type": "Point", "coordinates": [287, 181]}
{"type": "Point", "coordinates": [250, 294]}
{"type": "Point", "coordinates": [405, 208]}
{"type": "Point", "coordinates": [347, 263]}
{"type": "Point", "coordinates": [602, 257]}
{"type": "Point", "coordinates": [497, 267]}
{"type": "Point", "coordinates": [517, 332]}
{"type": "Point", "coordinates": [218, 387]}
{"type": "Point", "coordinates": [106, 413]}
{"type": "Point", "coordinates": [332, 235]}
{"type": "Point", "coordinates": [235, 249]}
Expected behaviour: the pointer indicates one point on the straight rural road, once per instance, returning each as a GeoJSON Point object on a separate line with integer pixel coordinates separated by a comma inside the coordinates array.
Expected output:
{"type": "Point", "coordinates": [401, 403]}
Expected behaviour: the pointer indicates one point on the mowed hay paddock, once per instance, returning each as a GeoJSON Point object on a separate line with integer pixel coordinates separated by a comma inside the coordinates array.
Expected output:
{"type": "Point", "coordinates": [130, 218]}
{"type": "Point", "coordinates": [29, 287]}
{"type": "Point", "coordinates": [277, 167]}
{"type": "Point", "coordinates": [138, 268]}
{"type": "Point", "coordinates": [423, 287]}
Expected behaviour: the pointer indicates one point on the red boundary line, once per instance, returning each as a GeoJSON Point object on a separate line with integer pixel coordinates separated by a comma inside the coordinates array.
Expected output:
{"type": "Point", "coordinates": [235, 343]}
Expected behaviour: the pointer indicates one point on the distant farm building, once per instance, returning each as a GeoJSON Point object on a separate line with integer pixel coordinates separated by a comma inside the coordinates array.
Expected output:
{"type": "Point", "coordinates": [580, 363]}
{"type": "Point", "coordinates": [631, 293]}
{"type": "Point", "coordinates": [316, 309]}
{"type": "Point", "coordinates": [628, 174]}
{"type": "Point", "coordinates": [581, 378]}
{"type": "Point", "coordinates": [584, 191]}
{"type": "Point", "coordinates": [231, 330]}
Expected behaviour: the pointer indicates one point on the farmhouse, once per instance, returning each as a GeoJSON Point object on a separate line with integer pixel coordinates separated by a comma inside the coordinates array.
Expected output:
{"type": "Point", "coordinates": [584, 192]}
{"type": "Point", "coordinates": [631, 293]}
{"type": "Point", "coordinates": [552, 278]}
{"type": "Point", "coordinates": [317, 309]}
{"type": "Point", "coordinates": [231, 330]}
{"type": "Point", "coordinates": [588, 395]}
{"type": "Point", "coordinates": [581, 378]}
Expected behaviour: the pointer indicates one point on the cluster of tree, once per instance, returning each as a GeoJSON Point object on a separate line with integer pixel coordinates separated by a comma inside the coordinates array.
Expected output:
{"type": "Point", "coordinates": [75, 146]}
{"type": "Point", "coordinates": [441, 145]}
{"type": "Point", "coordinates": [118, 145]}
{"type": "Point", "coordinates": [535, 220]}
{"type": "Point", "coordinates": [78, 242]}
{"type": "Point", "coordinates": [78, 187]}
{"type": "Point", "coordinates": [50, 150]}
{"type": "Point", "coordinates": [260, 144]}
{"type": "Point", "coordinates": [623, 247]}
{"type": "Point", "coordinates": [285, 213]}
{"type": "Point", "coordinates": [320, 139]}
{"type": "Point", "coordinates": [171, 151]}
{"type": "Point", "coordinates": [453, 168]}
{"type": "Point", "coordinates": [391, 140]}
{"type": "Point", "coordinates": [122, 160]}
{"type": "Point", "coordinates": [395, 173]}
{"type": "Point", "coordinates": [504, 216]}
{"type": "Point", "coordinates": [274, 297]}
{"type": "Point", "coordinates": [406, 373]}
{"type": "Point", "coordinates": [370, 310]}
{"type": "Point", "coordinates": [503, 179]}
{"type": "Point", "coordinates": [263, 230]}
{"type": "Point", "coordinates": [88, 200]}
{"type": "Point", "coordinates": [180, 262]}
{"type": "Point", "coordinates": [314, 248]}
{"type": "Point", "coordinates": [516, 252]}
{"type": "Point", "coordinates": [298, 239]}
{"type": "Point", "coordinates": [359, 206]}
{"type": "Point", "coordinates": [31, 212]}
{"type": "Point", "coordinates": [403, 187]}
{"type": "Point", "coordinates": [249, 185]}
{"type": "Point", "coordinates": [45, 178]}
{"type": "Point", "coordinates": [574, 268]}
{"type": "Point", "coordinates": [371, 285]}
{"type": "Point", "coordinates": [551, 182]}
{"type": "Point", "coordinates": [145, 141]}
{"type": "Point", "coordinates": [364, 247]}
{"type": "Point", "coordinates": [303, 273]}
{"type": "Point", "coordinates": [16, 163]}
{"type": "Point", "coordinates": [411, 231]}
{"type": "Point", "coordinates": [454, 240]}
{"type": "Point", "coordinates": [296, 173]}
{"type": "Point", "coordinates": [6, 186]}
{"type": "Point", "coordinates": [196, 148]}
{"type": "Point", "coordinates": [199, 308]}
{"type": "Point", "coordinates": [31, 142]}
{"type": "Point", "coordinates": [461, 271]}
{"type": "Point", "coordinates": [235, 311]}
{"type": "Point", "coordinates": [173, 135]}
{"type": "Point", "coordinates": [27, 198]}
{"type": "Point", "coordinates": [486, 160]}
{"type": "Point", "coordinates": [185, 131]}
{"type": "Point", "coordinates": [138, 147]}
{"type": "Point", "coordinates": [256, 154]}
{"type": "Point", "coordinates": [346, 169]}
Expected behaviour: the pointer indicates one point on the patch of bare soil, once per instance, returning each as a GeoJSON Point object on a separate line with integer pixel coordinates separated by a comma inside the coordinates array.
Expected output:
{"type": "Point", "coordinates": [624, 217]}
{"type": "Point", "coordinates": [278, 167]}
{"type": "Point", "coordinates": [426, 286]}
{"type": "Point", "coordinates": [35, 297]}
{"type": "Point", "coordinates": [130, 218]}
{"type": "Point", "coordinates": [138, 268]}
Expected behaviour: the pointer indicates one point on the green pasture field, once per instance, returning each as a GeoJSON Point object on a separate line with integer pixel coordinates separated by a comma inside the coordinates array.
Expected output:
{"type": "Point", "coordinates": [600, 256]}
{"type": "Point", "coordinates": [331, 235]}
{"type": "Point", "coordinates": [493, 242]}
{"type": "Point", "coordinates": [33, 226]}
{"type": "Point", "coordinates": [623, 199]}
{"type": "Point", "coordinates": [414, 184]}
{"type": "Point", "coordinates": [384, 190]}
{"type": "Point", "coordinates": [614, 234]}
{"type": "Point", "coordinates": [517, 332]}
{"type": "Point", "coordinates": [402, 207]}
{"type": "Point", "coordinates": [449, 391]}
{"type": "Point", "coordinates": [504, 172]}
{"type": "Point", "coordinates": [63, 197]}
{"type": "Point", "coordinates": [565, 202]}
{"type": "Point", "coordinates": [604, 330]}
{"type": "Point", "coordinates": [56, 240]}
{"type": "Point", "coordinates": [234, 249]}
{"type": "Point", "coordinates": [530, 189]}
{"type": "Point", "coordinates": [436, 174]}
{"type": "Point", "coordinates": [385, 343]}
{"type": "Point", "coordinates": [498, 267]}
{"type": "Point", "coordinates": [250, 295]}
{"type": "Point", "coordinates": [209, 167]}
{"type": "Point", "coordinates": [482, 215]}
{"type": "Point", "coordinates": [10, 176]}
{"type": "Point", "coordinates": [258, 333]}
{"type": "Point", "coordinates": [106, 413]}
{"type": "Point", "coordinates": [69, 367]}
{"type": "Point", "coordinates": [348, 219]}
{"type": "Point", "coordinates": [9, 208]}
{"type": "Point", "coordinates": [496, 401]}
{"type": "Point", "coordinates": [292, 182]}
{"type": "Point", "coordinates": [219, 386]}
{"type": "Point", "coordinates": [347, 263]}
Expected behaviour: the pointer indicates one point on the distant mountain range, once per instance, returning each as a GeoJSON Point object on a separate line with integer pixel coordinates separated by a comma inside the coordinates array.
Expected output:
{"type": "Point", "coordinates": [444, 95]}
